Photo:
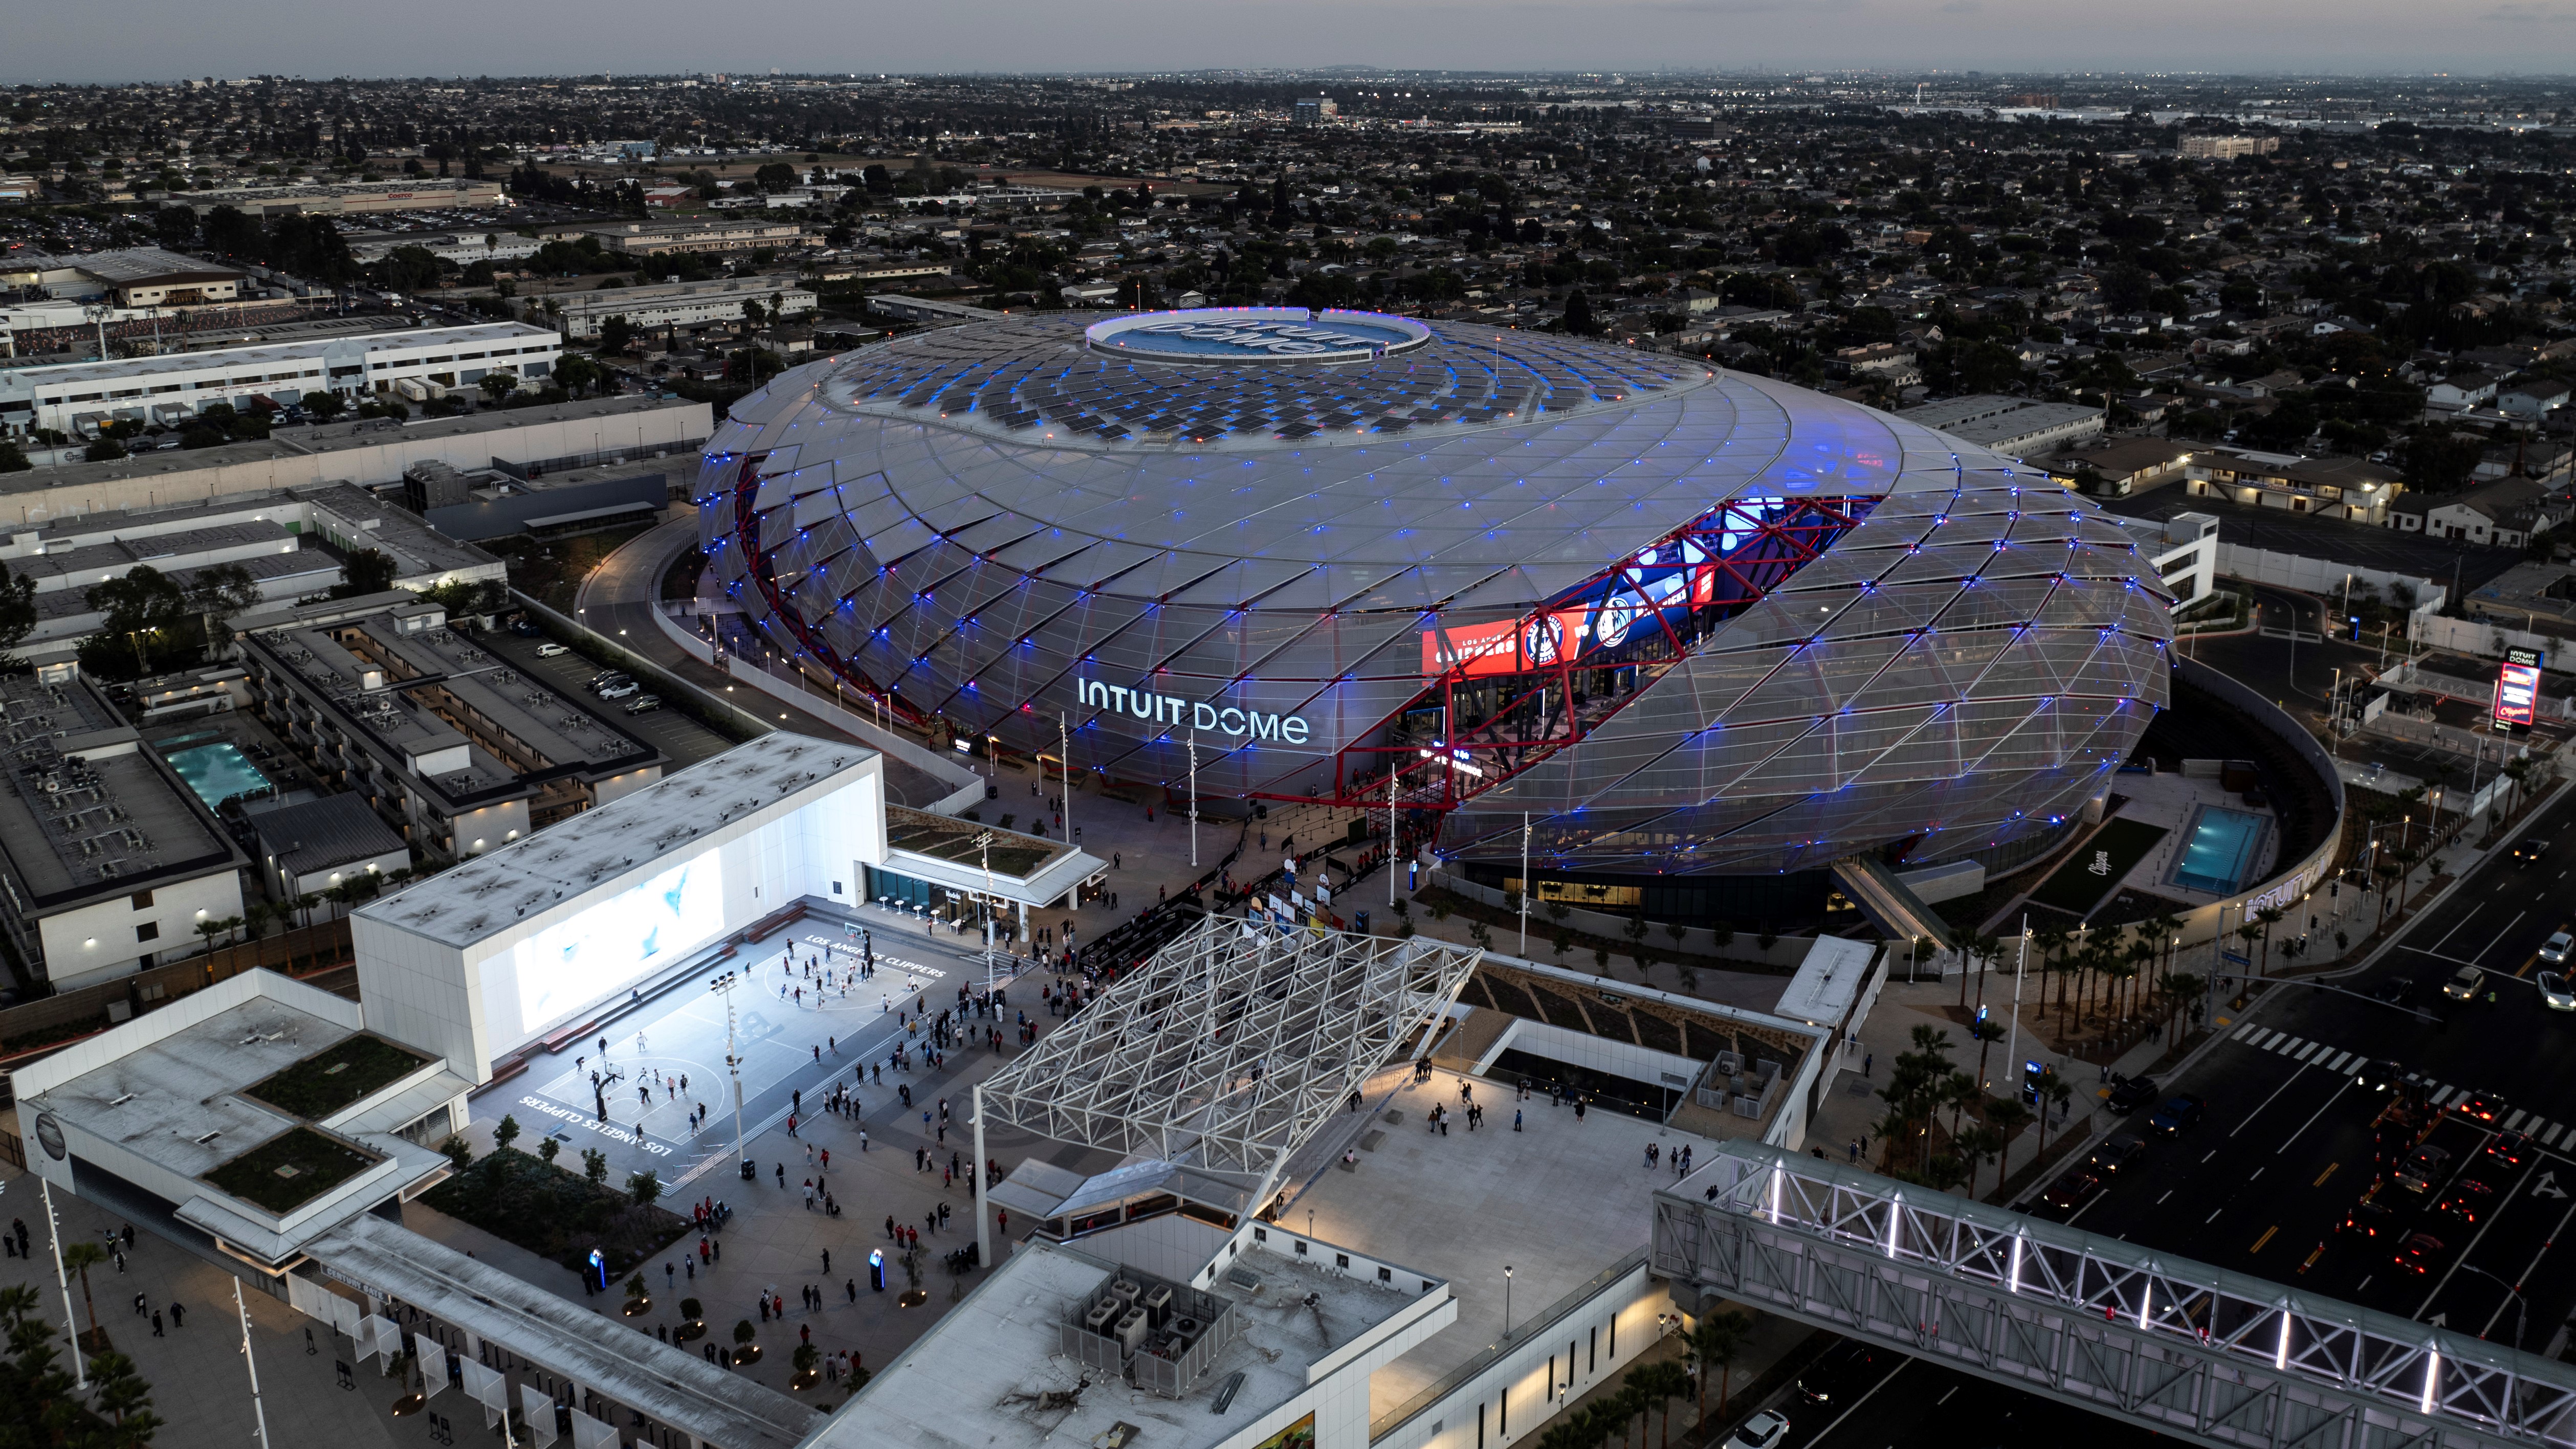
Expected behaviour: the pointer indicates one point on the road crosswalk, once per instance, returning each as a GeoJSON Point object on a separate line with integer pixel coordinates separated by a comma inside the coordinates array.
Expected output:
{"type": "Point", "coordinates": [2312, 1053]}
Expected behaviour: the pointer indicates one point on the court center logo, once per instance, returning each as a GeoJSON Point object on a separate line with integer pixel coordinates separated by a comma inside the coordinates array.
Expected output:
{"type": "Point", "coordinates": [1257, 334]}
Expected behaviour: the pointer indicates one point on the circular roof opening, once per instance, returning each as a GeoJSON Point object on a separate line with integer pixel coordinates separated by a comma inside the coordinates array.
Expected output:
{"type": "Point", "coordinates": [1256, 334]}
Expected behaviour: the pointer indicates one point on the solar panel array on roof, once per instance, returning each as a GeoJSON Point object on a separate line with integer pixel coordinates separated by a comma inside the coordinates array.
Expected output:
{"type": "Point", "coordinates": [1692, 621]}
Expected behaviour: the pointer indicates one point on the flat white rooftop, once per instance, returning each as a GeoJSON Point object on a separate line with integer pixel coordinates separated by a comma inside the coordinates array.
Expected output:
{"type": "Point", "coordinates": [274, 353]}
{"type": "Point", "coordinates": [987, 1374]}
{"type": "Point", "coordinates": [1558, 1201]}
{"type": "Point", "coordinates": [492, 892]}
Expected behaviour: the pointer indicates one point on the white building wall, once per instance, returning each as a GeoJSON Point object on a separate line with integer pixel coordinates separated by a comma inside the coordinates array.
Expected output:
{"type": "Point", "coordinates": [465, 1004]}
{"type": "Point", "coordinates": [96, 942]}
{"type": "Point", "coordinates": [1598, 1339]}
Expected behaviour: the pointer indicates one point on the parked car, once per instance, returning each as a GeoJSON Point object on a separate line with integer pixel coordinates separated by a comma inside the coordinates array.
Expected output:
{"type": "Point", "coordinates": [2555, 949]}
{"type": "Point", "coordinates": [2176, 1114]}
{"type": "Point", "coordinates": [644, 704]}
{"type": "Point", "coordinates": [550, 649]}
{"type": "Point", "coordinates": [621, 689]}
{"type": "Point", "coordinates": [1759, 1432]}
{"type": "Point", "coordinates": [2116, 1156]}
{"type": "Point", "coordinates": [2132, 1093]}
{"type": "Point", "coordinates": [2422, 1168]}
{"type": "Point", "coordinates": [2555, 993]}
{"type": "Point", "coordinates": [2463, 985]}
{"type": "Point", "coordinates": [603, 681]}
{"type": "Point", "coordinates": [525, 628]}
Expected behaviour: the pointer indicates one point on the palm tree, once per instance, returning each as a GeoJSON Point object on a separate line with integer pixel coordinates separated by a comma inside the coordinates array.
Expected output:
{"type": "Point", "coordinates": [2270, 916]}
{"type": "Point", "coordinates": [2049, 939]}
{"type": "Point", "coordinates": [1715, 1342]}
{"type": "Point", "coordinates": [78, 1257]}
{"type": "Point", "coordinates": [2007, 1116]}
{"type": "Point", "coordinates": [1660, 1382]}
{"type": "Point", "coordinates": [304, 905]}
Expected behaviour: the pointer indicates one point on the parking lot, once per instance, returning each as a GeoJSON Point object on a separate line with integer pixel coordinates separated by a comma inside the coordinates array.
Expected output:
{"type": "Point", "coordinates": [668, 729]}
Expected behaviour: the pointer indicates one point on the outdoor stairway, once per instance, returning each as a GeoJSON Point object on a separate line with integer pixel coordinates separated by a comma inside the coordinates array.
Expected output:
{"type": "Point", "coordinates": [1888, 903]}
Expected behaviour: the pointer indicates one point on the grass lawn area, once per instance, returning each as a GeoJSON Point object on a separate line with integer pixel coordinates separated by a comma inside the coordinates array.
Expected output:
{"type": "Point", "coordinates": [556, 1214]}
{"type": "Point", "coordinates": [2097, 865]}
{"type": "Point", "coordinates": [327, 1081]}
{"type": "Point", "coordinates": [291, 1169]}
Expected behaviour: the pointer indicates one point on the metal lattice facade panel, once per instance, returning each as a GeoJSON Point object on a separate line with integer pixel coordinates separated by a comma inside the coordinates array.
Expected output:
{"type": "Point", "coordinates": [1693, 622]}
{"type": "Point", "coordinates": [2169, 1344]}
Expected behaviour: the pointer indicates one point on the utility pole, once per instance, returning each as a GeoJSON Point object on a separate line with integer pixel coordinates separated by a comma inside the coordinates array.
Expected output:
{"type": "Point", "coordinates": [259, 1412]}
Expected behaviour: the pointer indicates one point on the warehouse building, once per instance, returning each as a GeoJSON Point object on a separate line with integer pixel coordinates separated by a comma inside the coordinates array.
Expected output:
{"type": "Point", "coordinates": [685, 305]}
{"type": "Point", "coordinates": [417, 193]}
{"type": "Point", "coordinates": [169, 389]}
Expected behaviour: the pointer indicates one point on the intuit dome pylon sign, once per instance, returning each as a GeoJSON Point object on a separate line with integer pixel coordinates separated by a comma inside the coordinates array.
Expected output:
{"type": "Point", "coordinates": [1691, 623]}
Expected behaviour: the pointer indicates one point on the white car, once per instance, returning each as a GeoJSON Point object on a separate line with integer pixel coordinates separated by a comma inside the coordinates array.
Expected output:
{"type": "Point", "coordinates": [2463, 985]}
{"type": "Point", "coordinates": [1759, 1432]}
{"type": "Point", "coordinates": [550, 649]}
{"type": "Point", "coordinates": [2555, 949]}
{"type": "Point", "coordinates": [2555, 993]}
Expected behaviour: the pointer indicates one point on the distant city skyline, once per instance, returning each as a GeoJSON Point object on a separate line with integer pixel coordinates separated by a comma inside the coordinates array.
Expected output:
{"type": "Point", "coordinates": [106, 44]}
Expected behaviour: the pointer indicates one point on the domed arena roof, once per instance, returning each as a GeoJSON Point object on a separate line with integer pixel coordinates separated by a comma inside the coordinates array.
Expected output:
{"type": "Point", "coordinates": [1324, 544]}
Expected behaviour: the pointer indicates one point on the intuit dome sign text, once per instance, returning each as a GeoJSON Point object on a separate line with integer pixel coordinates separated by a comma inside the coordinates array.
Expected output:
{"type": "Point", "coordinates": [1191, 714]}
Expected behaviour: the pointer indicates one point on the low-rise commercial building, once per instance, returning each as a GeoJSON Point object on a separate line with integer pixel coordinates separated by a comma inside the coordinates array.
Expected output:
{"type": "Point", "coordinates": [2013, 426]}
{"type": "Point", "coordinates": [169, 389]}
{"type": "Point", "coordinates": [672, 238]}
{"type": "Point", "coordinates": [682, 304]}
{"type": "Point", "coordinates": [2228, 148]}
{"type": "Point", "coordinates": [107, 859]}
{"type": "Point", "coordinates": [458, 751]}
{"type": "Point", "coordinates": [310, 847]}
{"type": "Point", "coordinates": [461, 249]}
{"type": "Point", "coordinates": [2507, 513]}
{"type": "Point", "coordinates": [2352, 489]}
{"type": "Point", "coordinates": [418, 193]}
{"type": "Point", "coordinates": [2125, 466]}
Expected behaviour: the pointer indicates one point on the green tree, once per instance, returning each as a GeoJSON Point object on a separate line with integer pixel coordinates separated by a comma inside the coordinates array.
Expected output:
{"type": "Point", "coordinates": [1715, 1342]}
{"type": "Point", "coordinates": [1578, 314]}
{"type": "Point", "coordinates": [459, 1151]}
{"type": "Point", "coordinates": [322, 407]}
{"type": "Point", "coordinates": [577, 373]}
{"type": "Point", "coordinates": [217, 592]}
{"type": "Point", "coordinates": [13, 459]}
{"type": "Point", "coordinates": [1658, 1384]}
{"type": "Point", "coordinates": [644, 1187]}
{"type": "Point", "coordinates": [368, 571]}
{"type": "Point", "coordinates": [118, 1391]}
{"type": "Point", "coordinates": [79, 1257]}
{"type": "Point", "coordinates": [547, 1149]}
{"type": "Point", "coordinates": [507, 1132]}
{"type": "Point", "coordinates": [17, 613]}
{"type": "Point", "coordinates": [594, 1164]}
{"type": "Point", "coordinates": [2007, 1116]}
{"type": "Point", "coordinates": [146, 629]}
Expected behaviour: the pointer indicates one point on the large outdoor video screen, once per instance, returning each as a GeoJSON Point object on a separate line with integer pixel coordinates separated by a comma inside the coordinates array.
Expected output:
{"type": "Point", "coordinates": [620, 941]}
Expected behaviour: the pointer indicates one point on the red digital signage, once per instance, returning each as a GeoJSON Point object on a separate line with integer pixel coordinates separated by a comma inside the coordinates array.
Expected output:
{"type": "Point", "coordinates": [2517, 690]}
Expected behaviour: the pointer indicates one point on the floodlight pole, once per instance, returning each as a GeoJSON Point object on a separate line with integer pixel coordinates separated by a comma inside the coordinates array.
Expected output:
{"type": "Point", "coordinates": [62, 1280]}
{"type": "Point", "coordinates": [984, 843]}
{"type": "Point", "coordinates": [983, 1209]}
{"type": "Point", "coordinates": [1064, 762]}
{"type": "Point", "coordinates": [1194, 799]}
{"type": "Point", "coordinates": [1392, 767]}
{"type": "Point", "coordinates": [259, 1412]}
{"type": "Point", "coordinates": [723, 986]}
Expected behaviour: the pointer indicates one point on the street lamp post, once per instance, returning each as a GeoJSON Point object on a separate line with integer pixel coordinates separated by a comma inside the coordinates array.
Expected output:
{"type": "Point", "coordinates": [2521, 1306]}
{"type": "Point", "coordinates": [62, 1280]}
{"type": "Point", "coordinates": [984, 843]}
{"type": "Point", "coordinates": [259, 1412]}
{"type": "Point", "coordinates": [1507, 1300]}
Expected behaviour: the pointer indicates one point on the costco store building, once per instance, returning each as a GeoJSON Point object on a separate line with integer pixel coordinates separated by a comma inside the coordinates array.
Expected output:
{"type": "Point", "coordinates": [1700, 629]}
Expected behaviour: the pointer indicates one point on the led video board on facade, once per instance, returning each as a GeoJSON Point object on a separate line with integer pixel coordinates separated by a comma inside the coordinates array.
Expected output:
{"type": "Point", "coordinates": [620, 941]}
{"type": "Point", "coordinates": [2517, 690]}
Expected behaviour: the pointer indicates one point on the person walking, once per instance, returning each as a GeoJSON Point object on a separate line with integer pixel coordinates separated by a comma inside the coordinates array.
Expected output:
{"type": "Point", "coordinates": [178, 1314]}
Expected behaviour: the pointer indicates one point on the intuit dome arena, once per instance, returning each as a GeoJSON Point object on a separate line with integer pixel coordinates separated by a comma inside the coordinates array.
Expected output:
{"type": "Point", "coordinates": [1690, 624]}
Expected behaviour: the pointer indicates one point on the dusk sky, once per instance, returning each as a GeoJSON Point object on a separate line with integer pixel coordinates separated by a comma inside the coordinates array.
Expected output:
{"type": "Point", "coordinates": [155, 40]}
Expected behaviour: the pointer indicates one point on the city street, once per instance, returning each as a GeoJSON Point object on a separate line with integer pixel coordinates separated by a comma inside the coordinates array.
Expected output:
{"type": "Point", "coordinates": [2287, 1146]}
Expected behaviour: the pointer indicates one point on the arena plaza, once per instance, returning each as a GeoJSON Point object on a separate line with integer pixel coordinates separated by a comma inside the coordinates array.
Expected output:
{"type": "Point", "coordinates": [1701, 633]}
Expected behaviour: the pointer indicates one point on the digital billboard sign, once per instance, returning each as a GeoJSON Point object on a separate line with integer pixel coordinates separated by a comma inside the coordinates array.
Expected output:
{"type": "Point", "coordinates": [2517, 690]}
{"type": "Point", "coordinates": [620, 941]}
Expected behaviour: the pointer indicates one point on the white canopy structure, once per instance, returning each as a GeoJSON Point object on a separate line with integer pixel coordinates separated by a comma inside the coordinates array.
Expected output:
{"type": "Point", "coordinates": [1230, 1048]}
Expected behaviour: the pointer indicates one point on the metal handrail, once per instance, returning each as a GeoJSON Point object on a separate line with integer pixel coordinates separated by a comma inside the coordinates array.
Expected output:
{"type": "Point", "coordinates": [1545, 1319]}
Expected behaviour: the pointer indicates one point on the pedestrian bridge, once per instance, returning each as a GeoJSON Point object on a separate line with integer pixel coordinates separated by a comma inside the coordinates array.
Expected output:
{"type": "Point", "coordinates": [2168, 1344]}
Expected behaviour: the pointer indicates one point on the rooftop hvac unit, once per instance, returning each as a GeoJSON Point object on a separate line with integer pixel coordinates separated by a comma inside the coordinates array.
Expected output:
{"type": "Point", "coordinates": [1131, 1330]}
{"type": "Point", "coordinates": [1158, 1301]}
{"type": "Point", "coordinates": [1186, 1330]}
{"type": "Point", "coordinates": [1103, 1316]}
{"type": "Point", "coordinates": [1125, 1290]}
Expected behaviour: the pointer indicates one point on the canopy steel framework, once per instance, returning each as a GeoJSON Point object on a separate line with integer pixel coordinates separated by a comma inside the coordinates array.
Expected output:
{"type": "Point", "coordinates": [1230, 1048]}
{"type": "Point", "coordinates": [2169, 1344]}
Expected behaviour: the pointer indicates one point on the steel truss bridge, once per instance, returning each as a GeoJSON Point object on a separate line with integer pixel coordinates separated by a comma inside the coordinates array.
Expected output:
{"type": "Point", "coordinates": [2165, 1343]}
